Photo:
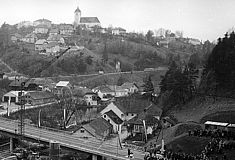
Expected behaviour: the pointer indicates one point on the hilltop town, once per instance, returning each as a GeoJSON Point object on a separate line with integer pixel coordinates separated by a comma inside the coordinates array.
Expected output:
{"type": "Point", "coordinates": [151, 94]}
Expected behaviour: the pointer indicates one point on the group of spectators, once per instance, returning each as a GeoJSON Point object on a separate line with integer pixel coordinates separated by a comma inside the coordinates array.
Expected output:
{"type": "Point", "coordinates": [220, 141]}
{"type": "Point", "coordinates": [217, 133]}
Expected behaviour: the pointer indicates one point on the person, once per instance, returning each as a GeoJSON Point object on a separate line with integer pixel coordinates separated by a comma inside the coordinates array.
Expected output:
{"type": "Point", "coordinates": [129, 152]}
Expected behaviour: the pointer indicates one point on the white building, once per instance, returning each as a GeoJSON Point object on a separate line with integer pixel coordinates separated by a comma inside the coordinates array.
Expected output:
{"type": "Point", "coordinates": [89, 22]}
{"type": "Point", "coordinates": [12, 96]}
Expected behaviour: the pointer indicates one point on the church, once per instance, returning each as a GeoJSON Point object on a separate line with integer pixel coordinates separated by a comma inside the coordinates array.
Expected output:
{"type": "Point", "coordinates": [89, 22]}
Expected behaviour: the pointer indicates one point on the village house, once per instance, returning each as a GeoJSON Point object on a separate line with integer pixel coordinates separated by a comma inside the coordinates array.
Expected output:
{"type": "Point", "coordinates": [63, 87]}
{"type": "Point", "coordinates": [24, 24]}
{"type": "Point", "coordinates": [53, 31]}
{"type": "Point", "coordinates": [12, 96]}
{"type": "Point", "coordinates": [145, 122]}
{"type": "Point", "coordinates": [16, 38]}
{"type": "Point", "coordinates": [98, 128]}
{"type": "Point", "coordinates": [118, 31]}
{"type": "Point", "coordinates": [91, 99]}
{"type": "Point", "coordinates": [41, 28]}
{"type": "Point", "coordinates": [30, 38]}
{"type": "Point", "coordinates": [104, 92]}
{"type": "Point", "coordinates": [52, 48]}
{"type": "Point", "coordinates": [39, 84]}
{"type": "Point", "coordinates": [131, 87]}
{"type": "Point", "coordinates": [88, 22]}
{"type": "Point", "coordinates": [66, 29]}
{"type": "Point", "coordinates": [194, 41]}
{"type": "Point", "coordinates": [55, 38]}
{"type": "Point", "coordinates": [42, 22]}
{"type": "Point", "coordinates": [114, 120]}
{"type": "Point", "coordinates": [39, 97]}
{"type": "Point", "coordinates": [40, 45]}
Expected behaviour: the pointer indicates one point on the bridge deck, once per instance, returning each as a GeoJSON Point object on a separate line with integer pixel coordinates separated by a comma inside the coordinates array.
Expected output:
{"type": "Point", "coordinates": [69, 140]}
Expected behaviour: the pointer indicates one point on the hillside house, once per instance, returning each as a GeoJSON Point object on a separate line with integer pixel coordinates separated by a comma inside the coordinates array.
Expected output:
{"type": "Point", "coordinates": [104, 92]}
{"type": "Point", "coordinates": [149, 117]}
{"type": "Point", "coordinates": [30, 38]}
{"type": "Point", "coordinates": [39, 97]}
{"type": "Point", "coordinates": [16, 37]}
{"type": "Point", "coordinates": [118, 31]}
{"type": "Point", "coordinates": [52, 48]}
{"type": "Point", "coordinates": [41, 28]}
{"type": "Point", "coordinates": [98, 128]}
{"type": "Point", "coordinates": [65, 29]}
{"type": "Point", "coordinates": [12, 96]}
{"type": "Point", "coordinates": [63, 87]}
{"type": "Point", "coordinates": [43, 21]}
{"type": "Point", "coordinates": [131, 87]}
{"type": "Point", "coordinates": [53, 31]}
{"type": "Point", "coordinates": [114, 120]}
{"type": "Point", "coordinates": [194, 41]}
{"type": "Point", "coordinates": [55, 38]}
{"type": "Point", "coordinates": [24, 24]}
{"type": "Point", "coordinates": [40, 45]}
{"type": "Point", "coordinates": [91, 98]}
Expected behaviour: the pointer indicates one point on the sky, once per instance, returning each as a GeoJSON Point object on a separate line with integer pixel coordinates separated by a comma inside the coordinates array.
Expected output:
{"type": "Point", "coordinates": [202, 19]}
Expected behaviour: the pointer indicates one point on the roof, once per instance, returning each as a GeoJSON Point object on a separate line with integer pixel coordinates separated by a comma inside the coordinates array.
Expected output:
{"type": "Point", "coordinates": [42, 26]}
{"type": "Point", "coordinates": [41, 20]}
{"type": "Point", "coordinates": [17, 82]}
{"type": "Point", "coordinates": [114, 117]}
{"type": "Point", "coordinates": [39, 81]}
{"type": "Point", "coordinates": [134, 104]}
{"type": "Point", "coordinates": [40, 94]}
{"type": "Point", "coordinates": [90, 93]}
{"type": "Point", "coordinates": [81, 91]}
{"type": "Point", "coordinates": [103, 89]}
{"type": "Point", "coordinates": [54, 37]}
{"type": "Point", "coordinates": [120, 29]}
{"type": "Point", "coordinates": [54, 30]}
{"type": "Point", "coordinates": [77, 10]}
{"type": "Point", "coordinates": [97, 127]}
{"type": "Point", "coordinates": [62, 83]}
{"type": "Point", "coordinates": [40, 42]}
{"type": "Point", "coordinates": [65, 27]}
{"type": "Point", "coordinates": [52, 44]}
{"type": "Point", "coordinates": [30, 35]}
{"type": "Point", "coordinates": [128, 85]}
{"type": "Point", "coordinates": [89, 20]}
{"type": "Point", "coordinates": [217, 123]}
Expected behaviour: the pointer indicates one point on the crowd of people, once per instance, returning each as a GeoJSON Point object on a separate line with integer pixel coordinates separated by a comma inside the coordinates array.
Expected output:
{"type": "Point", "coordinates": [220, 141]}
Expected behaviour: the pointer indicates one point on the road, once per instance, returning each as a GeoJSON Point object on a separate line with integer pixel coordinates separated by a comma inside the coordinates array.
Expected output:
{"type": "Point", "coordinates": [69, 140]}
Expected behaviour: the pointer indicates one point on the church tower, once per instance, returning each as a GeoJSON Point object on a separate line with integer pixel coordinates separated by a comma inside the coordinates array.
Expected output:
{"type": "Point", "coordinates": [77, 17]}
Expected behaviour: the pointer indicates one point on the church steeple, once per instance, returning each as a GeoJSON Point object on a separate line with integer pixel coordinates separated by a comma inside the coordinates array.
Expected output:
{"type": "Point", "coordinates": [77, 17]}
{"type": "Point", "coordinates": [77, 10]}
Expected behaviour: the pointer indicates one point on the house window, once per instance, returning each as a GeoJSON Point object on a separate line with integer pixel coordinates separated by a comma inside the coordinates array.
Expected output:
{"type": "Point", "coordinates": [136, 128]}
{"type": "Point", "coordinates": [82, 131]}
{"type": "Point", "coordinates": [104, 116]}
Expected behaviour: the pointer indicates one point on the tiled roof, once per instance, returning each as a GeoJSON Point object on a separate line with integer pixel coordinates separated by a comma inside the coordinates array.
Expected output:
{"type": "Point", "coordinates": [134, 104]}
{"type": "Point", "coordinates": [54, 30]}
{"type": "Point", "coordinates": [89, 20]}
{"type": "Point", "coordinates": [65, 27]}
{"type": "Point", "coordinates": [54, 37]}
{"type": "Point", "coordinates": [40, 94]}
{"type": "Point", "coordinates": [40, 42]}
{"type": "Point", "coordinates": [97, 127]}
{"type": "Point", "coordinates": [39, 81]}
{"type": "Point", "coordinates": [128, 85]}
{"type": "Point", "coordinates": [42, 26]}
{"type": "Point", "coordinates": [41, 20]}
{"type": "Point", "coordinates": [114, 117]}
{"type": "Point", "coordinates": [103, 89]}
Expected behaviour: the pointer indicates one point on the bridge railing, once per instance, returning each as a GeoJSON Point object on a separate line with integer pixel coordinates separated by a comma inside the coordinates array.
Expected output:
{"type": "Point", "coordinates": [36, 126]}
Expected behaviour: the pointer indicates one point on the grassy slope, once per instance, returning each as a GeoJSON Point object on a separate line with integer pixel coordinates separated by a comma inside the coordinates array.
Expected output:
{"type": "Point", "coordinates": [199, 110]}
